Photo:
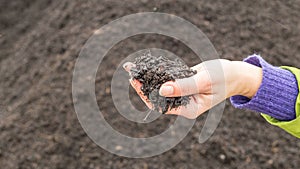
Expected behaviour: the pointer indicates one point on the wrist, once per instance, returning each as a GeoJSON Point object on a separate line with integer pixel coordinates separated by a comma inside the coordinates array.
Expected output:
{"type": "Point", "coordinates": [243, 79]}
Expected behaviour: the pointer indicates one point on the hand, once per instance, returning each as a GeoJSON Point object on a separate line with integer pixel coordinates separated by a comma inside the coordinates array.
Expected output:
{"type": "Point", "coordinates": [215, 81]}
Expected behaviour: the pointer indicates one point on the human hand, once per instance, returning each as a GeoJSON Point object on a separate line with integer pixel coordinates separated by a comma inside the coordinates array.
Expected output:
{"type": "Point", "coordinates": [215, 81]}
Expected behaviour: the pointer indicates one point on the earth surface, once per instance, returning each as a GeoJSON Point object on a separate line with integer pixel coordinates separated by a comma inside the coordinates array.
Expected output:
{"type": "Point", "coordinates": [40, 41]}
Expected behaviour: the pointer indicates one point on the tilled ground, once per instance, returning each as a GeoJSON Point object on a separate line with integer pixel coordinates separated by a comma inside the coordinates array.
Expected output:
{"type": "Point", "coordinates": [41, 39]}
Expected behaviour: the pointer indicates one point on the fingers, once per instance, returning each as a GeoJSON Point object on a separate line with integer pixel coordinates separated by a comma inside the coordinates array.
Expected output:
{"type": "Point", "coordinates": [189, 111]}
{"type": "Point", "coordinates": [128, 65]}
{"type": "Point", "coordinates": [199, 83]}
{"type": "Point", "coordinates": [198, 105]}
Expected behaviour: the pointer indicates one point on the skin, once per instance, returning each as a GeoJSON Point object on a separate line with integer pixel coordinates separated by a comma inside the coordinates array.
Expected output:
{"type": "Point", "coordinates": [215, 81]}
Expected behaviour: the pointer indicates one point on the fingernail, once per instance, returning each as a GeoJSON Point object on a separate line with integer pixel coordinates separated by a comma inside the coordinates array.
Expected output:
{"type": "Point", "coordinates": [125, 65]}
{"type": "Point", "coordinates": [166, 90]}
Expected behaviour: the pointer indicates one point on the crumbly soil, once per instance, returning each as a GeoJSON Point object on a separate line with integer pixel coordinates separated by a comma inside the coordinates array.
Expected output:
{"type": "Point", "coordinates": [40, 41]}
{"type": "Point", "coordinates": [153, 71]}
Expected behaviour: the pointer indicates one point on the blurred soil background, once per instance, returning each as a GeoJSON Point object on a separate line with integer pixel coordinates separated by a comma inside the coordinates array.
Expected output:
{"type": "Point", "coordinates": [41, 39]}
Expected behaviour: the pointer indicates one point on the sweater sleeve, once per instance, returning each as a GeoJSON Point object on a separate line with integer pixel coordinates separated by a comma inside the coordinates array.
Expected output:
{"type": "Point", "coordinates": [277, 97]}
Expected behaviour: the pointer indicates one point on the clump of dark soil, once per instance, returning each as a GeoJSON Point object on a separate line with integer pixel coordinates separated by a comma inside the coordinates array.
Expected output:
{"type": "Point", "coordinates": [153, 71]}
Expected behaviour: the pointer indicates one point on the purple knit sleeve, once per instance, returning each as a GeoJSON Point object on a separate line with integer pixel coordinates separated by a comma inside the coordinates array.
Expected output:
{"type": "Point", "coordinates": [277, 94]}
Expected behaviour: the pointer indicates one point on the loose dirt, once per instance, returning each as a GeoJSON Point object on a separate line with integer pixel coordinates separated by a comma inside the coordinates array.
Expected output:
{"type": "Point", "coordinates": [152, 72]}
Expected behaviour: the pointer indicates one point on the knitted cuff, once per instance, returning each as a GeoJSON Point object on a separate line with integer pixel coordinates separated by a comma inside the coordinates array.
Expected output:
{"type": "Point", "coordinates": [277, 94]}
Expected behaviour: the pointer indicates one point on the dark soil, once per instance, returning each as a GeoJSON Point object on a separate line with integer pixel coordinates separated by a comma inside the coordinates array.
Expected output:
{"type": "Point", "coordinates": [152, 72]}
{"type": "Point", "coordinates": [40, 41]}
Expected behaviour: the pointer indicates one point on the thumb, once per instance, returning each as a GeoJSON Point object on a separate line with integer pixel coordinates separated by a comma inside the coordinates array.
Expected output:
{"type": "Point", "coordinates": [198, 83]}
